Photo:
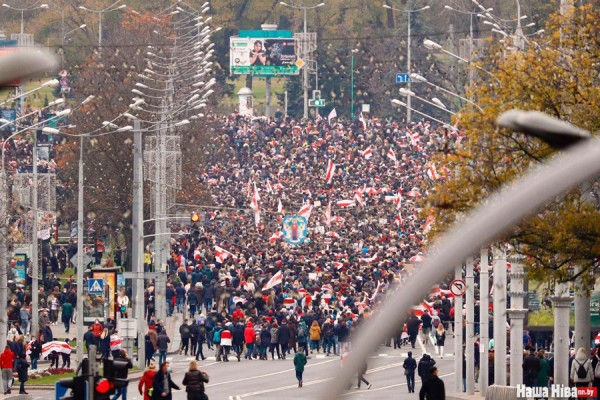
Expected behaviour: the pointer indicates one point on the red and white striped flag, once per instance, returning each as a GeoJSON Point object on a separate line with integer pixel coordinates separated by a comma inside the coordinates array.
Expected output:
{"type": "Point", "coordinates": [328, 214]}
{"type": "Point", "coordinates": [432, 173]}
{"type": "Point", "coordinates": [399, 220]}
{"type": "Point", "coordinates": [392, 155]}
{"type": "Point", "coordinates": [358, 197]}
{"type": "Point", "coordinates": [279, 206]}
{"type": "Point", "coordinates": [275, 236]}
{"type": "Point", "coordinates": [367, 153]}
{"type": "Point", "coordinates": [428, 223]}
{"type": "Point", "coordinates": [269, 188]}
{"type": "Point", "coordinates": [221, 255]}
{"type": "Point", "coordinates": [305, 211]}
{"type": "Point", "coordinates": [346, 203]}
{"type": "Point", "coordinates": [274, 281]}
{"type": "Point", "coordinates": [333, 234]}
{"type": "Point", "coordinates": [398, 200]}
{"type": "Point", "coordinates": [330, 171]}
{"type": "Point", "coordinates": [363, 121]}
{"type": "Point", "coordinates": [414, 139]}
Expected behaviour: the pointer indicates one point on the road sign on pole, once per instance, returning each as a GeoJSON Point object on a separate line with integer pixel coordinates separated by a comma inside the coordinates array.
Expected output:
{"type": "Point", "coordinates": [458, 287]}
{"type": "Point", "coordinates": [403, 78]}
{"type": "Point", "coordinates": [96, 286]}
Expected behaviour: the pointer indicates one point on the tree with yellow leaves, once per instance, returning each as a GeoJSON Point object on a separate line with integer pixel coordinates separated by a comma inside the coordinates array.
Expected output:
{"type": "Point", "coordinates": [557, 75]}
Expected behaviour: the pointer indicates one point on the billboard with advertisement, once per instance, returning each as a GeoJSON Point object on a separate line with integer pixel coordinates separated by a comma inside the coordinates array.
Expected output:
{"type": "Point", "coordinates": [263, 56]}
{"type": "Point", "coordinates": [94, 303]}
{"type": "Point", "coordinates": [9, 115]}
{"type": "Point", "coordinates": [20, 268]}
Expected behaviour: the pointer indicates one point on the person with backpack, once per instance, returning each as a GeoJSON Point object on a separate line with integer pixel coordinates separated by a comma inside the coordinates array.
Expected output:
{"type": "Point", "coordinates": [596, 369]}
{"type": "Point", "coordinates": [531, 368]}
{"type": "Point", "coordinates": [410, 365]}
{"type": "Point", "coordinates": [216, 339]}
{"type": "Point", "coordinates": [581, 369]}
{"type": "Point", "coordinates": [302, 337]}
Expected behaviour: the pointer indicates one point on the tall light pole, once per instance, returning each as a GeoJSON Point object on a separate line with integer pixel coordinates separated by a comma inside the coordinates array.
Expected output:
{"type": "Point", "coordinates": [305, 84]}
{"type": "Point", "coordinates": [103, 11]}
{"type": "Point", "coordinates": [62, 59]}
{"type": "Point", "coordinates": [22, 10]}
{"type": "Point", "coordinates": [408, 69]}
{"type": "Point", "coordinates": [352, 83]}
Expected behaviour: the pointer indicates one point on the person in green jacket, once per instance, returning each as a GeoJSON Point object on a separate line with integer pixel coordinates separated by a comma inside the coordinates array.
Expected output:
{"type": "Point", "coordinates": [67, 314]}
{"type": "Point", "coordinates": [542, 377]}
{"type": "Point", "coordinates": [299, 363]}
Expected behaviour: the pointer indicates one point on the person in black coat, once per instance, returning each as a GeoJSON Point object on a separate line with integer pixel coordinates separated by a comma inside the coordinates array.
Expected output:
{"type": "Point", "coordinates": [284, 337]}
{"type": "Point", "coordinates": [433, 387]}
{"type": "Point", "coordinates": [194, 381]}
{"type": "Point", "coordinates": [149, 349]}
{"type": "Point", "coordinates": [194, 331]}
{"type": "Point", "coordinates": [22, 366]}
{"type": "Point", "coordinates": [412, 328]}
{"type": "Point", "coordinates": [237, 338]}
{"type": "Point", "coordinates": [410, 365]}
{"type": "Point", "coordinates": [425, 364]}
{"type": "Point", "coordinates": [163, 383]}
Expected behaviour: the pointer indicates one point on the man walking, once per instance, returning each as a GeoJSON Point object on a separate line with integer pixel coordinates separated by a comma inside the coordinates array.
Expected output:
{"type": "Point", "coordinates": [433, 387]}
{"type": "Point", "coordinates": [123, 357]}
{"type": "Point", "coordinates": [162, 342]}
{"type": "Point", "coordinates": [410, 365]}
{"type": "Point", "coordinates": [299, 363]}
{"type": "Point", "coordinates": [184, 331]}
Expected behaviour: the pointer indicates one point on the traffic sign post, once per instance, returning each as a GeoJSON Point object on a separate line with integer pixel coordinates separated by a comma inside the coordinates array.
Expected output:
{"type": "Point", "coordinates": [96, 286]}
{"type": "Point", "coordinates": [403, 78]}
{"type": "Point", "coordinates": [316, 103]}
{"type": "Point", "coordinates": [458, 287]}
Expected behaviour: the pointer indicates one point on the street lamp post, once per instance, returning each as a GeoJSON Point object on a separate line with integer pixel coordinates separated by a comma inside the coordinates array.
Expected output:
{"type": "Point", "coordinates": [352, 83]}
{"type": "Point", "coordinates": [408, 12]}
{"type": "Point", "coordinates": [64, 36]}
{"type": "Point", "coordinates": [305, 84]}
{"type": "Point", "coordinates": [22, 10]}
{"type": "Point", "coordinates": [100, 12]}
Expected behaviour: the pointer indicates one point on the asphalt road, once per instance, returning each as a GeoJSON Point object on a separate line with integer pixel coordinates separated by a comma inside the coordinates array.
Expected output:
{"type": "Point", "coordinates": [276, 379]}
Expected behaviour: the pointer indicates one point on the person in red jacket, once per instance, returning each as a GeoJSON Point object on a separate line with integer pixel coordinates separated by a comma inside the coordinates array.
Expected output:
{"type": "Point", "coordinates": [7, 358]}
{"type": "Point", "coordinates": [146, 381]}
{"type": "Point", "coordinates": [249, 337]}
{"type": "Point", "coordinates": [238, 313]}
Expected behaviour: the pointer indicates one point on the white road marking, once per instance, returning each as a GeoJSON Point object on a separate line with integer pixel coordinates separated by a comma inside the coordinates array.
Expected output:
{"type": "Point", "coordinates": [387, 387]}
{"type": "Point", "coordinates": [265, 375]}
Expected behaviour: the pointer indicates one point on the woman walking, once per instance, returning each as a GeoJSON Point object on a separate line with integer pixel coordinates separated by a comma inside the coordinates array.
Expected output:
{"type": "Point", "coordinates": [315, 336]}
{"type": "Point", "coordinates": [274, 345]}
{"type": "Point", "coordinates": [581, 369]}
{"type": "Point", "coordinates": [194, 381]}
{"type": "Point", "coordinates": [22, 367]}
{"type": "Point", "coordinates": [440, 338]}
{"type": "Point", "coordinates": [361, 377]}
{"type": "Point", "coordinates": [146, 380]}
{"type": "Point", "coordinates": [542, 377]}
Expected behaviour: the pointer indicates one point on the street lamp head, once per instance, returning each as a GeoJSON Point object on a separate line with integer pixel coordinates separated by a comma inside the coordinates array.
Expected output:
{"type": "Point", "coordinates": [5, 5]}
{"type": "Point", "coordinates": [447, 7]}
{"type": "Point", "coordinates": [418, 77]}
{"type": "Point", "coordinates": [283, 3]}
{"type": "Point", "coordinates": [386, 6]}
{"type": "Point", "coordinates": [64, 112]}
{"type": "Point", "coordinates": [88, 99]}
{"type": "Point", "coordinates": [50, 83]}
{"type": "Point", "coordinates": [51, 131]}
{"type": "Point", "coordinates": [320, 4]}
{"type": "Point", "coordinates": [81, 7]}
{"type": "Point", "coordinates": [439, 102]}
{"type": "Point", "coordinates": [424, 8]}
{"type": "Point", "coordinates": [530, 25]}
{"type": "Point", "coordinates": [406, 92]}
{"type": "Point", "coordinates": [137, 92]}
{"type": "Point", "coordinates": [398, 103]}
{"type": "Point", "coordinates": [431, 45]}
{"type": "Point", "coordinates": [121, 6]}
{"type": "Point", "coordinates": [82, 26]}
{"type": "Point", "coordinates": [524, 17]}
{"type": "Point", "coordinates": [44, 5]}
{"type": "Point", "coordinates": [56, 102]}
{"type": "Point", "coordinates": [125, 128]}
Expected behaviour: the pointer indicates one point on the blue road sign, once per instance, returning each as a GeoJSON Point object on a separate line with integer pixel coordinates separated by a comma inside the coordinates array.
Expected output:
{"type": "Point", "coordinates": [403, 78]}
{"type": "Point", "coordinates": [96, 286]}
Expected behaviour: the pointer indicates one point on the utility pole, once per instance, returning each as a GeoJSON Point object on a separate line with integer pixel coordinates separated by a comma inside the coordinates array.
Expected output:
{"type": "Point", "coordinates": [408, 98]}
{"type": "Point", "coordinates": [285, 97]}
{"type": "Point", "coordinates": [470, 331]}
{"type": "Point", "coordinates": [138, 240]}
{"type": "Point", "coordinates": [517, 314]}
{"type": "Point", "coordinates": [458, 339]}
{"type": "Point", "coordinates": [305, 71]}
{"type": "Point", "coordinates": [80, 265]}
{"type": "Point", "coordinates": [499, 317]}
{"type": "Point", "coordinates": [268, 97]}
{"type": "Point", "coordinates": [3, 259]}
{"type": "Point", "coordinates": [34, 245]}
{"type": "Point", "coordinates": [484, 326]}
{"type": "Point", "coordinates": [562, 305]}
{"type": "Point", "coordinates": [582, 313]}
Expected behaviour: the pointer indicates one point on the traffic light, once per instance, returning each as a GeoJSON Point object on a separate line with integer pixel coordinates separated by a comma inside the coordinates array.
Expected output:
{"type": "Point", "coordinates": [195, 217]}
{"type": "Point", "coordinates": [77, 385]}
{"type": "Point", "coordinates": [116, 373]}
{"type": "Point", "coordinates": [103, 388]}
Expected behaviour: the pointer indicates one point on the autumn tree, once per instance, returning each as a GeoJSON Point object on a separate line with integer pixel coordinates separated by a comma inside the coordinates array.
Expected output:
{"type": "Point", "coordinates": [557, 75]}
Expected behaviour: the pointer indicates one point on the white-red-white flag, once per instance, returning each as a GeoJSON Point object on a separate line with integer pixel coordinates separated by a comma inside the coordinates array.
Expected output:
{"type": "Point", "coordinates": [358, 197]}
{"type": "Point", "coordinates": [399, 220]}
{"type": "Point", "coordinates": [221, 255]}
{"type": "Point", "coordinates": [330, 171]}
{"type": "Point", "coordinates": [275, 236]}
{"type": "Point", "coordinates": [362, 120]}
{"type": "Point", "coordinates": [279, 206]}
{"type": "Point", "coordinates": [428, 222]}
{"type": "Point", "coordinates": [333, 234]}
{"type": "Point", "coordinates": [432, 173]}
{"type": "Point", "coordinates": [269, 188]}
{"type": "Point", "coordinates": [367, 153]}
{"type": "Point", "coordinates": [274, 281]}
{"type": "Point", "coordinates": [328, 214]}
{"type": "Point", "coordinates": [392, 155]}
{"type": "Point", "coordinates": [346, 203]}
{"type": "Point", "coordinates": [398, 200]}
{"type": "Point", "coordinates": [305, 210]}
